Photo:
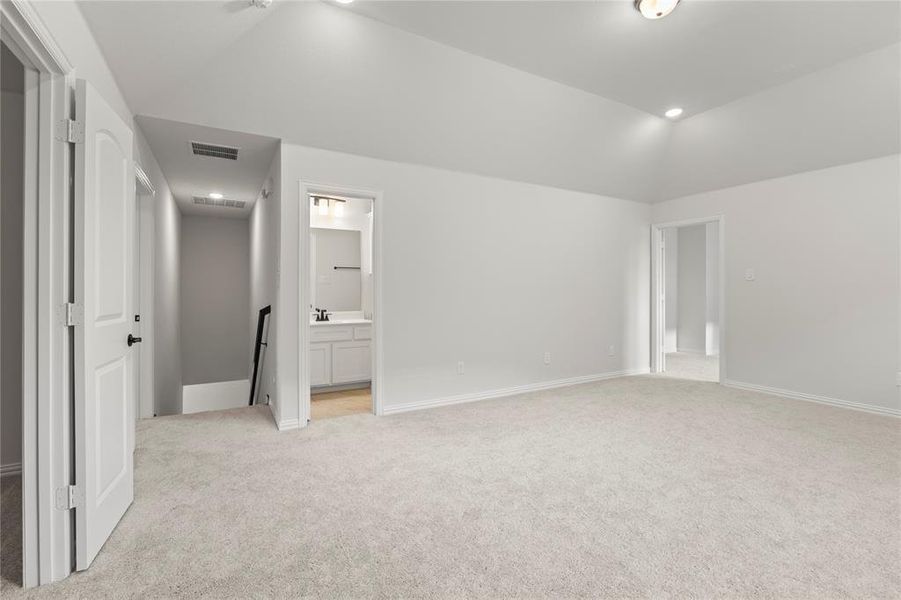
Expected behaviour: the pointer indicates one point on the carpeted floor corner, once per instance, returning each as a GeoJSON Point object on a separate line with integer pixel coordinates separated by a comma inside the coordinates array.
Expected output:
{"type": "Point", "coordinates": [633, 487]}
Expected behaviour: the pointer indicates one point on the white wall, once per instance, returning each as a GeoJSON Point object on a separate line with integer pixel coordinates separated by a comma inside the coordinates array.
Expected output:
{"type": "Point", "coordinates": [264, 272]}
{"type": "Point", "coordinates": [712, 329]}
{"type": "Point", "coordinates": [215, 299]}
{"type": "Point", "coordinates": [74, 37]}
{"type": "Point", "coordinates": [692, 289]}
{"type": "Point", "coordinates": [671, 291]}
{"type": "Point", "coordinates": [72, 33]}
{"type": "Point", "coordinates": [842, 114]}
{"type": "Point", "coordinates": [821, 317]}
{"type": "Point", "coordinates": [486, 271]}
{"type": "Point", "coordinates": [12, 129]}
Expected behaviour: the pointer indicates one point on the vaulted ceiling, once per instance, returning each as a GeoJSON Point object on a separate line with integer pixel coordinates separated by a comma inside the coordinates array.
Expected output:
{"type": "Point", "coordinates": [566, 94]}
{"type": "Point", "coordinates": [708, 53]}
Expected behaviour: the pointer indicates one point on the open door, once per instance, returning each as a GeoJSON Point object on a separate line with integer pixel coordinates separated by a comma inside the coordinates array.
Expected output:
{"type": "Point", "coordinates": [104, 293]}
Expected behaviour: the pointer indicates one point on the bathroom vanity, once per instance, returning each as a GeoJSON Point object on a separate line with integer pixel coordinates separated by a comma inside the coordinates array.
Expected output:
{"type": "Point", "coordinates": [340, 351]}
{"type": "Point", "coordinates": [341, 286]}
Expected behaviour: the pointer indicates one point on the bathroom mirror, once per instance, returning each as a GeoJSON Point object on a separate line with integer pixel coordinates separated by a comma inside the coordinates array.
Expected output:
{"type": "Point", "coordinates": [335, 269]}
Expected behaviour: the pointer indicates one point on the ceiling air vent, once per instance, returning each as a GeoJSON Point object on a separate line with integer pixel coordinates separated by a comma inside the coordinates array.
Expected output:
{"type": "Point", "coordinates": [214, 151]}
{"type": "Point", "coordinates": [221, 202]}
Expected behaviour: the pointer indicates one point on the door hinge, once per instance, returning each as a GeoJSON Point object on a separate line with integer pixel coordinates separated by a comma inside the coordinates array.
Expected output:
{"type": "Point", "coordinates": [70, 131]}
{"type": "Point", "coordinates": [69, 497]}
{"type": "Point", "coordinates": [74, 314]}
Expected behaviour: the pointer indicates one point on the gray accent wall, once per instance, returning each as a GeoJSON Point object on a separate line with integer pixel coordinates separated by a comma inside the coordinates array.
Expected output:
{"type": "Point", "coordinates": [12, 130]}
{"type": "Point", "coordinates": [215, 299]}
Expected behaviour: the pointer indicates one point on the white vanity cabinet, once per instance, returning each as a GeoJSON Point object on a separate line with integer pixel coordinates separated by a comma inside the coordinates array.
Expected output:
{"type": "Point", "coordinates": [320, 364]}
{"type": "Point", "coordinates": [340, 353]}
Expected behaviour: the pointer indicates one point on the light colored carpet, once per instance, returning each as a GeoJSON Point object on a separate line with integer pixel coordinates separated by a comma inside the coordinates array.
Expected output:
{"type": "Point", "coordinates": [328, 405]}
{"type": "Point", "coordinates": [10, 531]}
{"type": "Point", "coordinates": [690, 365]}
{"type": "Point", "coordinates": [633, 487]}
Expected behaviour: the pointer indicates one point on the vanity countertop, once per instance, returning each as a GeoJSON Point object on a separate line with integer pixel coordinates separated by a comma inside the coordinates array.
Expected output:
{"type": "Point", "coordinates": [340, 321]}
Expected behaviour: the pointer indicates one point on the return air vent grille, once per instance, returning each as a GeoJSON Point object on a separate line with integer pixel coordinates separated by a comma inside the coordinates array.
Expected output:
{"type": "Point", "coordinates": [223, 203]}
{"type": "Point", "coordinates": [214, 151]}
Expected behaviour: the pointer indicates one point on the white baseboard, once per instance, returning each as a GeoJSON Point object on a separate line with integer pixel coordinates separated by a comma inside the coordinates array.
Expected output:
{"type": "Point", "coordinates": [879, 410]}
{"type": "Point", "coordinates": [10, 469]}
{"type": "Point", "coordinates": [218, 395]}
{"type": "Point", "coordinates": [510, 391]}
{"type": "Point", "coordinates": [288, 424]}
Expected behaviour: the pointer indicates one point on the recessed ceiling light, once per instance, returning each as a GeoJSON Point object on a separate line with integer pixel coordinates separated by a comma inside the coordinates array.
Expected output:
{"type": "Point", "coordinates": [655, 9]}
{"type": "Point", "coordinates": [673, 113]}
{"type": "Point", "coordinates": [215, 195]}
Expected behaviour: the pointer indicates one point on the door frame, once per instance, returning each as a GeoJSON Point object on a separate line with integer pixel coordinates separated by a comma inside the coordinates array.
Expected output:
{"type": "Point", "coordinates": [145, 252]}
{"type": "Point", "coordinates": [658, 332]}
{"type": "Point", "coordinates": [47, 550]}
{"type": "Point", "coordinates": [304, 248]}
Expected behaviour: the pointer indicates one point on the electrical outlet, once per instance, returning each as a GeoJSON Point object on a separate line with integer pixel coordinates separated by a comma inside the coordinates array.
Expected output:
{"type": "Point", "coordinates": [611, 350]}
{"type": "Point", "coordinates": [461, 368]}
{"type": "Point", "coordinates": [750, 275]}
{"type": "Point", "coordinates": [547, 358]}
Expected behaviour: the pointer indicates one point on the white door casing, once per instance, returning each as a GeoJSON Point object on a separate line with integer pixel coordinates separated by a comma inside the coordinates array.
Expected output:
{"type": "Point", "coordinates": [104, 287]}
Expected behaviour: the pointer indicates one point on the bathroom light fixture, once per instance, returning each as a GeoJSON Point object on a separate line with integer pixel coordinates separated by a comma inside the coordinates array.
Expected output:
{"type": "Point", "coordinates": [339, 209]}
{"type": "Point", "coordinates": [215, 195]}
{"type": "Point", "coordinates": [655, 9]}
{"type": "Point", "coordinates": [673, 113]}
{"type": "Point", "coordinates": [322, 203]}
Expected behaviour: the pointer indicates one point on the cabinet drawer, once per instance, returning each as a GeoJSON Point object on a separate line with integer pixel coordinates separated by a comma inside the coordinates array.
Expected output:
{"type": "Point", "coordinates": [363, 332]}
{"type": "Point", "coordinates": [331, 334]}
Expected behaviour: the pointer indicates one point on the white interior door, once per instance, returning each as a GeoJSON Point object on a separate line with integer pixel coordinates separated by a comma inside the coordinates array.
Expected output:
{"type": "Point", "coordinates": [104, 287]}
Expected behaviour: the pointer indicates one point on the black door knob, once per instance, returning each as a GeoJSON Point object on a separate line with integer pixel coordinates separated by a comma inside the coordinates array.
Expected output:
{"type": "Point", "coordinates": [133, 340]}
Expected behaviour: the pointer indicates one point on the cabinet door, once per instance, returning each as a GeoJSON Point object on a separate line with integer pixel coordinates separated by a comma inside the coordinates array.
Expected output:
{"type": "Point", "coordinates": [320, 364]}
{"type": "Point", "coordinates": [351, 361]}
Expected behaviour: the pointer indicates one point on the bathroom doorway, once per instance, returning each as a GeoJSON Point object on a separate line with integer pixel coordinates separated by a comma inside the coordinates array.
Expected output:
{"type": "Point", "coordinates": [340, 300]}
{"type": "Point", "coordinates": [688, 300]}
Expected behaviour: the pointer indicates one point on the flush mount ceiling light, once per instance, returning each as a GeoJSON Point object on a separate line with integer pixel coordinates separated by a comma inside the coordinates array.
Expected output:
{"type": "Point", "coordinates": [344, 1]}
{"type": "Point", "coordinates": [215, 195]}
{"type": "Point", "coordinates": [673, 113]}
{"type": "Point", "coordinates": [655, 9]}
